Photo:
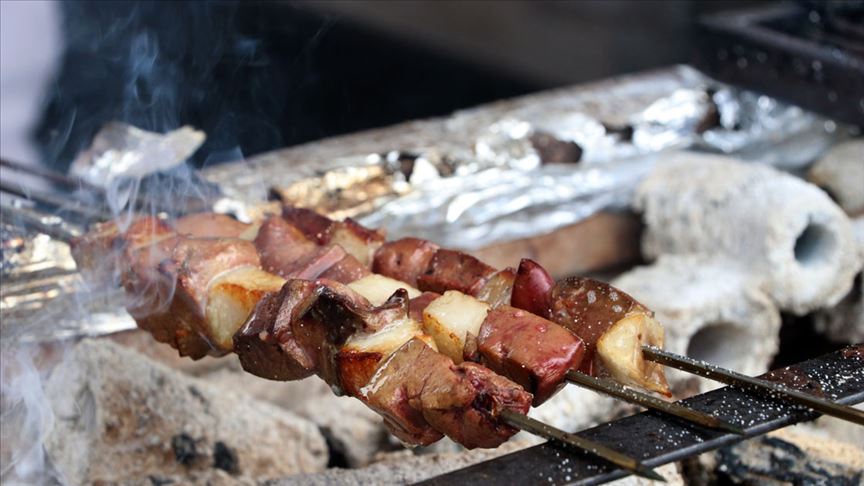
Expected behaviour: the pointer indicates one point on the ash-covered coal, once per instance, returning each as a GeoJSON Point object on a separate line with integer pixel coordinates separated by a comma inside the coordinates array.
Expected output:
{"type": "Point", "coordinates": [122, 417]}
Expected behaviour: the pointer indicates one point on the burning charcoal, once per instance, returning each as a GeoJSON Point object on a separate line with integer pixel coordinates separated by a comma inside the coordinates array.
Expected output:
{"type": "Point", "coordinates": [782, 229]}
{"type": "Point", "coordinates": [841, 173]}
{"type": "Point", "coordinates": [711, 309]}
{"type": "Point", "coordinates": [122, 418]}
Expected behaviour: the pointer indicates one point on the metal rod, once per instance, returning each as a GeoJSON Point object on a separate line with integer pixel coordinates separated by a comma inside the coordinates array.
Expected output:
{"type": "Point", "coordinates": [771, 389]}
{"type": "Point", "coordinates": [51, 175]}
{"type": "Point", "coordinates": [52, 200]}
{"type": "Point", "coordinates": [528, 424]}
{"type": "Point", "coordinates": [640, 398]}
{"type": "Point", "coordinates": [58, 231]}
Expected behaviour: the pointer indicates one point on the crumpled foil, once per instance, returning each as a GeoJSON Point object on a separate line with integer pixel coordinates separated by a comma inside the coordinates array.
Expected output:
{"type": "Point", "coordinates": [121, 150]}
{"type": "Point", "coordinates": [528, 166]}
{"type": "Point", "coordinates": [513, 169]}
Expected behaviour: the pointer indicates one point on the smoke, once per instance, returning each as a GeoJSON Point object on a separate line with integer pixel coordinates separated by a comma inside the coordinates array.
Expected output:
{"type": "Point", "coordinates": [26, 419]}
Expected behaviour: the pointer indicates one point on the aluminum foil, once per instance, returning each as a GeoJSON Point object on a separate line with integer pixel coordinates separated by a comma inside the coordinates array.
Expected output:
{"type": "Point", "coordinates": [121, 150]}
{"type": "Point", "coordinates": [508, 170]}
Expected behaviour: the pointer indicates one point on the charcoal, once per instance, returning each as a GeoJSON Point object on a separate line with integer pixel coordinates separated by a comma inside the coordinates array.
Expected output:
{"type": "Point", "coordinates": [123, 418]}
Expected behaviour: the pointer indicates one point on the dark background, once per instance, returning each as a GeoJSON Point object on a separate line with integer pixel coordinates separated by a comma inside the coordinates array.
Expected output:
{"type": "Point", "coordinates": [257, 76]}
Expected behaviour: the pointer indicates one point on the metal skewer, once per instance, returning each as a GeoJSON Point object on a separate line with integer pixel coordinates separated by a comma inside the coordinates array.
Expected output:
{"type": "Point", "coordinates": [51, 175]}
{"type": "Point", "coordinates": [771, 389]}
{"type": "Point", "coordinates": [52, 200]}
{"type": "Point", "coordinates": [640, 398]}
{"type": "Point", "coordinates": [59, 232]}
{"type": "Point", "coordinates": [528, 424]}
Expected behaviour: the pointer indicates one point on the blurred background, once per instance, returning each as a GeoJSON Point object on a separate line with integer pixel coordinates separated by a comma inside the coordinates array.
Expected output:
{"type": "Point", "coordinates": [256, 76]}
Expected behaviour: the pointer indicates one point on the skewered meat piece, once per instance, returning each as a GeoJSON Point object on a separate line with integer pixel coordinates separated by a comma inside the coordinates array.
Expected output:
{"type": "Point", "coordinates": [454, 270]}
{"type": "Point", "coordinates": [354, 238]}
{"type": "Point", "coordinates": [529, 350]}
{"type": "Point", "coordinates": [289, 253]}
{"type": "Point", "coordinates": [213, 225]}
{"type": "Point", "coordinates": [614, 327]}
{"type": "Point", "coordinates": [532, 288]}
{"type": "Point", "coordinates": [498, 289]}
{"type": "Point", "coordinates": [524, 347]}
{"type": "Point", "coordinates": [353, 352]}
{"type": "Point", "coordinates": [107, 246]}
{"type": "Point", "coordinates": [405, 259]}
{"type": "Point", "coordinates": [422, 393]}
{"type": "Point", "coordinates": [179, 299]}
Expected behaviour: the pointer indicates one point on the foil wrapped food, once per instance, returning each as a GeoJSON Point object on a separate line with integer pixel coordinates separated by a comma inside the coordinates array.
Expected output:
{"type": "Point", "coordinates": [528, 166]}
{"type": "Point", "coordinates": [512, 169]}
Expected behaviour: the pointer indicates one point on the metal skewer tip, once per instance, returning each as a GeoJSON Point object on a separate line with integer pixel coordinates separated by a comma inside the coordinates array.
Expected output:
{"type": "Point", "coordinates": [536, 427]}
{"type": "Point", "coordinates": [772, 389]}
{"type": "Point", "coordinates": [640, 398]}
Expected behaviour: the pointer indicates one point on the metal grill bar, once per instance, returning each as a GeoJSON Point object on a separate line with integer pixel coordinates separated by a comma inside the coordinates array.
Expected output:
{"type": "Point", "coordinates": [657, 439]}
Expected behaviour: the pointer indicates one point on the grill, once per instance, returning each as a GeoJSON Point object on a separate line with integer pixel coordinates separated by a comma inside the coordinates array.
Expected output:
{"type": "Point", "coordinates": [808, 53]}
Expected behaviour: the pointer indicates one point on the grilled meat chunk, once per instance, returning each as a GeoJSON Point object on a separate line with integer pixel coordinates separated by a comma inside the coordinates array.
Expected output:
{"type": "Point", "coordinates": [528, 349]}
{"type": "Point", "coordinates": [175, 291]}
{"type": "Point", "coordinates": [275, 342]}
{"type": "Point", "coordinates": [313, 225]}
{"type": "Point", "coordinates": [357, 240]}
{"type": "Point", "coordinates": [421, 393]}
{"type": "Point", "coordinates": [613, 326]}
{"type": "Point", "coordinates": [346, 270]}
{"type": "Point", "coordinates": [404, 259]}
{"type": "Point", "coordinates": [454, 270]}
{"type": "Point", "coordinates": [498, 289]}
{"type": "Point", "coordinates": [532, 288]}
{"type": "Point", "coordinates": [211, 225]}
{"type": "Point", "coordinates": [106, 249]}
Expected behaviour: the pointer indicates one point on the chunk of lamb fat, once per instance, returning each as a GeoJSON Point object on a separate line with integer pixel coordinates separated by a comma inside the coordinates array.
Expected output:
{"type": "Point", "coordinates": [231, 298]}
{"type": "Point", "coordinates": [450, 318]}
{"type": "Point", "coordinates": [620, 351]}
{"type": "Point", "coordinates": [378, 288]}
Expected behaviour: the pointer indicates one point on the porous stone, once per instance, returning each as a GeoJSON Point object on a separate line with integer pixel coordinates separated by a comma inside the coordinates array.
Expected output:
{"type": "Point", "coordinates": [844, 323]}
{"type": "Point", "coordinates": [121, 417]}
{"type": "Point", "coordinates": [841, 173]}
{"type": "Point", "coordinates": [782, 229]}
{"type": "Point", "coordinates": [711, 309]}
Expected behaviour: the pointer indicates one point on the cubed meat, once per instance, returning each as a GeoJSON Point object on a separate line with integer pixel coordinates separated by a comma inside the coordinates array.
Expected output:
{"type": "Point", "coordinates": [356, 240]}
{"type": "Point", "coordinates": [455, 270]}
{"type": "Point", "coordinates": [210, 225]}
{"type": "Point", "coordinates": [529, 350]}
{"type": "Point", "coordinates": [272, 343]}
{"type": "Point", "coordinates": [282, 246]}
{"type": "Point", "coordinates": [312, 224]}
{"type": "Point", "coordinates": [465, 403]}
{"type": "Point", "coordinates": [532, 288]}
{"type": "Point", "coordinates": [596, 311]}
{"type": "Point", "coordinates": [395, 391]}
{"type": "Point", "coordinates": [498, 289]}
{"type": "Point", "coordinates": [346, 270]}
{"type": "Point", "coordinates": [421, 393]}
{"type": "Point", "coordinates": [175, 291]}
{"type": "Point", "coordinates": [404, 259]}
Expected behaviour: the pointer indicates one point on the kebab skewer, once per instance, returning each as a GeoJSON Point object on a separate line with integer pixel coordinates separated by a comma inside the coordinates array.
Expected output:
{"type": "Point", "coordinates": [470, 403]}
{"type": "Point", "coordinates": [508, 344]}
